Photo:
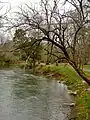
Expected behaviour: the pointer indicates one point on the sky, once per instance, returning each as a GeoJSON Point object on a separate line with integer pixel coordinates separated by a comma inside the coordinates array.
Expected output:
{"type": "Point", "coordinates": [14, 8]}
{"type": "Point", "coordinates": [15, 4]}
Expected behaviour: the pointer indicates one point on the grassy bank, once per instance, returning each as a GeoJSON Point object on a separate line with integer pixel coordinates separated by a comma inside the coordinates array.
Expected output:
{"type": "Point", "coordinates": [71, 78]}
{"type": "Point", "coordinates": [65, 72]}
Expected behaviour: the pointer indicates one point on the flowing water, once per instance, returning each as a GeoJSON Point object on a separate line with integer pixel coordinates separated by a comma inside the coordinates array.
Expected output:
{"type": "Point", "coordinates": [24, 96]}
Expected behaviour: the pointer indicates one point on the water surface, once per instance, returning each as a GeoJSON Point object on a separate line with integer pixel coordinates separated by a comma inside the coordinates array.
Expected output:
{"type": "Point", "coordinates": [24, 96]}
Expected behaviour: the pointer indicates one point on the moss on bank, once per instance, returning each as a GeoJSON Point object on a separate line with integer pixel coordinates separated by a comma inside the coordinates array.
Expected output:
{"type": "Point", "coordinates": [73, 80]}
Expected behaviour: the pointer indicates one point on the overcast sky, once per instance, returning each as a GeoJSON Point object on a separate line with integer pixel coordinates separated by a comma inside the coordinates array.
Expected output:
{"type": "Point", "coordinates": [14, 7]}
{"type": "Point", "coordinates": [16, 3]}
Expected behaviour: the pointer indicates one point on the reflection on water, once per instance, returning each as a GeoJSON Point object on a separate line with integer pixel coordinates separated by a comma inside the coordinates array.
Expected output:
{"type": "Point", "coordinates": [27, 97]}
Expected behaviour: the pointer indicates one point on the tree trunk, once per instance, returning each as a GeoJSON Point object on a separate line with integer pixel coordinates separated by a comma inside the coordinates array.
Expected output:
{"type": "Point", "coordinates": [85, 78]}
{"type": "Point", "coordinates": [80, 73]}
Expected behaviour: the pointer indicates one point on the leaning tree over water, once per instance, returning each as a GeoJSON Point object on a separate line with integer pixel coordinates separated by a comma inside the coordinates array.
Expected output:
{"type": "Point", "coordinates": [68, 30]}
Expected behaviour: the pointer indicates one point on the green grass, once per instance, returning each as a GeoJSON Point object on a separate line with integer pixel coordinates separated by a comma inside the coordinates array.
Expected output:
{"type": "Point", "coordinates": [67, 73]}
{"type": "Point", "coordinates": [87, 67]}
{"type": "Point", "coordinates": [74, 82]}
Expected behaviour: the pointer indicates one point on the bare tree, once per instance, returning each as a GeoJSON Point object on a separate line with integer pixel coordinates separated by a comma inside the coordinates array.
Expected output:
{"type": "Point", "coordinates": [61, 29]}
{"type": "Point", "coordinates": [5, 8]}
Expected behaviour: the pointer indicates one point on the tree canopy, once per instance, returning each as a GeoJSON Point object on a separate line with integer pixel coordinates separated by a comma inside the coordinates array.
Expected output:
{"type": "Point", "coordinates": [62, 29]}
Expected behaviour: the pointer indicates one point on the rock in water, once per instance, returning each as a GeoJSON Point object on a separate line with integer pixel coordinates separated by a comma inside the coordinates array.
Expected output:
{"type": "Point", "coordinates": [73, 93]}
{"type": "Point", "coordinates": [70, 104]}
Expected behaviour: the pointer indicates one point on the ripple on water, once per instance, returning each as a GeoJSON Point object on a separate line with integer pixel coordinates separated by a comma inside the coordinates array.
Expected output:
{"type": "Point", "coordinates": [28, 97]}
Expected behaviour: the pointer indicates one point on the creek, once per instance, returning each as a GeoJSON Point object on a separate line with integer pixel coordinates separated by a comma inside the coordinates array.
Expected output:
{"type": "Point", "coordinates": [24, 96]}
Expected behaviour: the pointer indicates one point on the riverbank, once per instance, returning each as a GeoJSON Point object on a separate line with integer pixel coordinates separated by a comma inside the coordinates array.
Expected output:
{"type": "Point", "coordinates": [68, 76]}
{"type": "Point", "coordinates": [65, 73]}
